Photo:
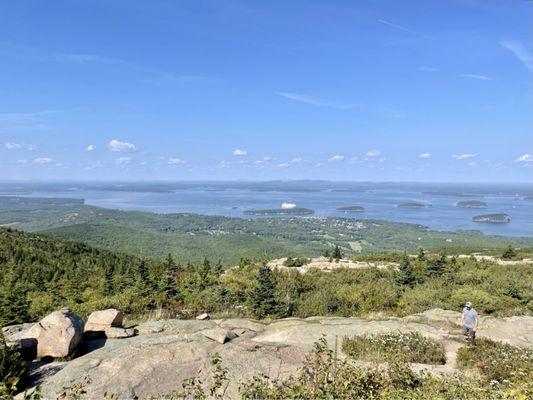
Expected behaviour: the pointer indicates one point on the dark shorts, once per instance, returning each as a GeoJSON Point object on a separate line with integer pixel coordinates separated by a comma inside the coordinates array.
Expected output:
{"type": "Point", "coordinates": [469, 332]}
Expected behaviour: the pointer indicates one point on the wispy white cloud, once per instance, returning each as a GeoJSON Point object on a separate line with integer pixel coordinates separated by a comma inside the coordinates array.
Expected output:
{"type": "Point", "coordinates": [373, 153]}
{"type": "Point", "coordinates": [425, 156]}
{"type": "Point", "coordinates": [464, 156]}
{"type": "Point", "coordinates": [176, 161]}
{"type": "Point", "coordinates": [89, 59]}
{"type": "Point", "coordinates": [19, 146]}
{"type": "Point", "coordinates": [315, 101]}
{"type": "Point", "coordinates": [297, 160]}
{"type": "Point", "coordinates": [400, 27]}
{"type": "Point", "coordinates": [478, 77]}
{"type": "Point", "coordinates": [167, 79]}
{"type": "Point", "coordinates": [284, 165]}
{"type": "Point", "coordinates": [90, 147]}
{"type": "Point", "coordinates": [240, 152]}
{"type": "Point", "coordinates": [426, 68]}
{"type": "Point", "coordinates": [120, 146]}
{"type": "Point", "coordinates": [520, 52]}
{"type": "Point", "coordinates": [25, 117]}
{"type": "Point", "coordinates": [473, 164]}
{"type": "Point", "coordinates": [525, 158]}
{"type": "Point", "coordinates": [123, 160]}
{"type": "Point", "coordinates": [336, 158]}
{"type": "Point", "coordinates": [43, 160]}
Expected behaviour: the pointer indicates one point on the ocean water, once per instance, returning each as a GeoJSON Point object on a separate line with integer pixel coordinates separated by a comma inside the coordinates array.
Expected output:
{"type": "Point", "coordinates": [380, 200]}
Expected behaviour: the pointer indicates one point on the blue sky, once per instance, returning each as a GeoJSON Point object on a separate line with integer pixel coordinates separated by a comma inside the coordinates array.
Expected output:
{"type": "Point", "coordinates": [426, 90]}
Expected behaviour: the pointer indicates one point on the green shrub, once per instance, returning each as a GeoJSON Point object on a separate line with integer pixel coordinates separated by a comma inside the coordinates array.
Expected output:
{"type": "Point", "coordinates": [498, 362]}
{"type": "Point", "coordinates": [324, 376]}
{"type": "Point", "coordinates": [12, 369]}
{"type": "Point", "coordinates": [296, 262]}
{"type": "Point", "coordinates": [410, 347]}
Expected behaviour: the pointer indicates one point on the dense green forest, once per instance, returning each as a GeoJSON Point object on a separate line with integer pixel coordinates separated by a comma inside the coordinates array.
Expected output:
{"type": "Point", "coordinates": [40, 274]}
{"type": "Point", "coordinates": [190, 237]}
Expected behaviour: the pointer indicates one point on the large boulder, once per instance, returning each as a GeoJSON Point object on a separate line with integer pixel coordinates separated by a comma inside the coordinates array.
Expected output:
{"type": "Point", "coordinates": [99, 321]}
{"type": "Point", "coordinates": [57, 335]}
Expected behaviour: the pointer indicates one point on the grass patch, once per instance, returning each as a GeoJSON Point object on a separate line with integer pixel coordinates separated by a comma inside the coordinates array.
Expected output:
{"type": "Point", "coordinates": [410, 347]}
{"type": "Point", "coordinates": [498, 362]}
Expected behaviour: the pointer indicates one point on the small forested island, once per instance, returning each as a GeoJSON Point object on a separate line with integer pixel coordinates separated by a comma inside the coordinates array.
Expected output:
{"type": "Point", "coordinates": [281, 211]}
{"type": "Point", "coordinates": [413, 205]}
{"type": "Point", "coordinates": [492, 218]}
{"type": "Point", "coordinates": [351, 209]}
{"type": "Point", "coordinates": [472, 204]}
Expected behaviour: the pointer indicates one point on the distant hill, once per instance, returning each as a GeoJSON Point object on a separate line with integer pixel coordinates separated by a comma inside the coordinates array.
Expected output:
{"type": "Point", "coordinates": [471, 204]}
{"type": "Point", "coordinates": [191, 236]}
{"type": "Point", "coordinates": [492, 218]}
{"type": "Point", "coordinates": [413, 204]}
{"type": "Point", "coordinates": [351, 209]}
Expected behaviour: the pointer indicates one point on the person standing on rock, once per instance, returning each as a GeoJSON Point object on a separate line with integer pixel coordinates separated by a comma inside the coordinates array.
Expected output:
{"type": "Point", "coordinates": [469, 320]}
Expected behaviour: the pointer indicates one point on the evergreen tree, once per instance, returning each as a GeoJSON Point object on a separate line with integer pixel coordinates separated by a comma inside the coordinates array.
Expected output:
{"type": "Point", "coordinates": [144, 275]}
{"type": "Point", "coordinates": [509, 253]}
{"type": "Point", "coordinates": [337, 253]}
{"type": "Point", "coordinates": [421, 255]}
{"type": "Point", "coordinates": [262, 297]}
{"type": "Point", "coordinates": [167, 285]}
{"type": "Point", "coordinates": [203, 274]}
{"type": "Point", "coordinates": [405, 275]}
{"type": "Point", "coordinates": [437, 266]}
{"type": "Point", "coordinates": [108, 280]}
{"type": "Point", "coordinates": [13, 303]}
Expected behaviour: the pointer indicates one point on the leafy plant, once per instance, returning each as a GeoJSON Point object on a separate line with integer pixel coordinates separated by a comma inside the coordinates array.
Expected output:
{"type": "Point", "coordinates": [391, 346]}
{"type": "Point", "coordinates": [12, 368]}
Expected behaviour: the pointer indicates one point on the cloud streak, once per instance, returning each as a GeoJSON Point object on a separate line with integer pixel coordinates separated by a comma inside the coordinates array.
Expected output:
{"type": "Point", "coordinates": [519, 51]}
{"type": "Point", "coordinates": [464, 156]}
{"type": "Point", "coordinates": [400, 27]}
{"type": "Point", "coordinates": [119, 146]}
{"type": "Point", "coordinates": [478, 77]}
{"type": "Point", "coordinates": [315, 101]}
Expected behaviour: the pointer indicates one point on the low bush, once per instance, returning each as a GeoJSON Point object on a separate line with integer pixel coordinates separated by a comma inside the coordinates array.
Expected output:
{"type": "Point", "coordinates": [296, 262]}
{"type": "Point", "coordinates": [12, 369]}
{"type": "Point", "coordinates": [499, 363]}
{"type": "Point", "coordinates": [409, 347]}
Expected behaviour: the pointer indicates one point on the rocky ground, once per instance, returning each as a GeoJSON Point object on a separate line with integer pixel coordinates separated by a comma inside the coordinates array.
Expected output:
{"type": "Point", "coordinates": [324, 264]}
{"type": "Point", "coordinates": [165, 353]}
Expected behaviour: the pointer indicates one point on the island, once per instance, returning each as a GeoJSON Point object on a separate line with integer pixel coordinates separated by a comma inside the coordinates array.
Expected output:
{"type": "Point", "coordinates": [413, 205]}
{"type": "Point", "coordinates": [281, 211]}
{"type": "Point", "coordinates": [351, 209]}
{"type": "Point", "coordinates": [471, 204]}
{"type": "Point", "coordinates": [492, 218]}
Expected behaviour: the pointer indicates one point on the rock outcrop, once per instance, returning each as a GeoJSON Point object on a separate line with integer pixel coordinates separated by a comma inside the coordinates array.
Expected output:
{"type": "Point", "coordinates": [219, 335]}
{"type": "Point", "coordinates": [99, 321]}
{"type": "Point", "coordinates": [118, 333]}
{"type": "Point", "coordinates": [56, 335]}
{"type": "Point", "coordinates": [167, 352]}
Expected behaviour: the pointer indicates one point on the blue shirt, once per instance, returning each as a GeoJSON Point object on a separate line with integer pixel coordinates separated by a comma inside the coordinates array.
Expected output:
{"type": "Point", "coordinates": [470, 317]}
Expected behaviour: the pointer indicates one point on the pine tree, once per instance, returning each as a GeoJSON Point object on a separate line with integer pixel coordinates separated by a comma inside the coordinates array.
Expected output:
{"type": "Point", "coordinates": [509, 253]}
{"type": "Point", "coordinates": [203, 273]}
{"type": "Point", "coordinates": [14, 305]}
{"type": "Point", "coordinates": [437, 267]}
{"type": "Point", "coordinates": [262, 297]}
{"type": "Point", "coordinates": [421, 255]}
{"type": "Point", "coordinates": [108, 280]}
{"type": "Point", "coordinates": [167, 285]}
{"type": "Point", "coordinates": [337, 253]}
{"type": "Point", "coordinates": [406, 276]}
